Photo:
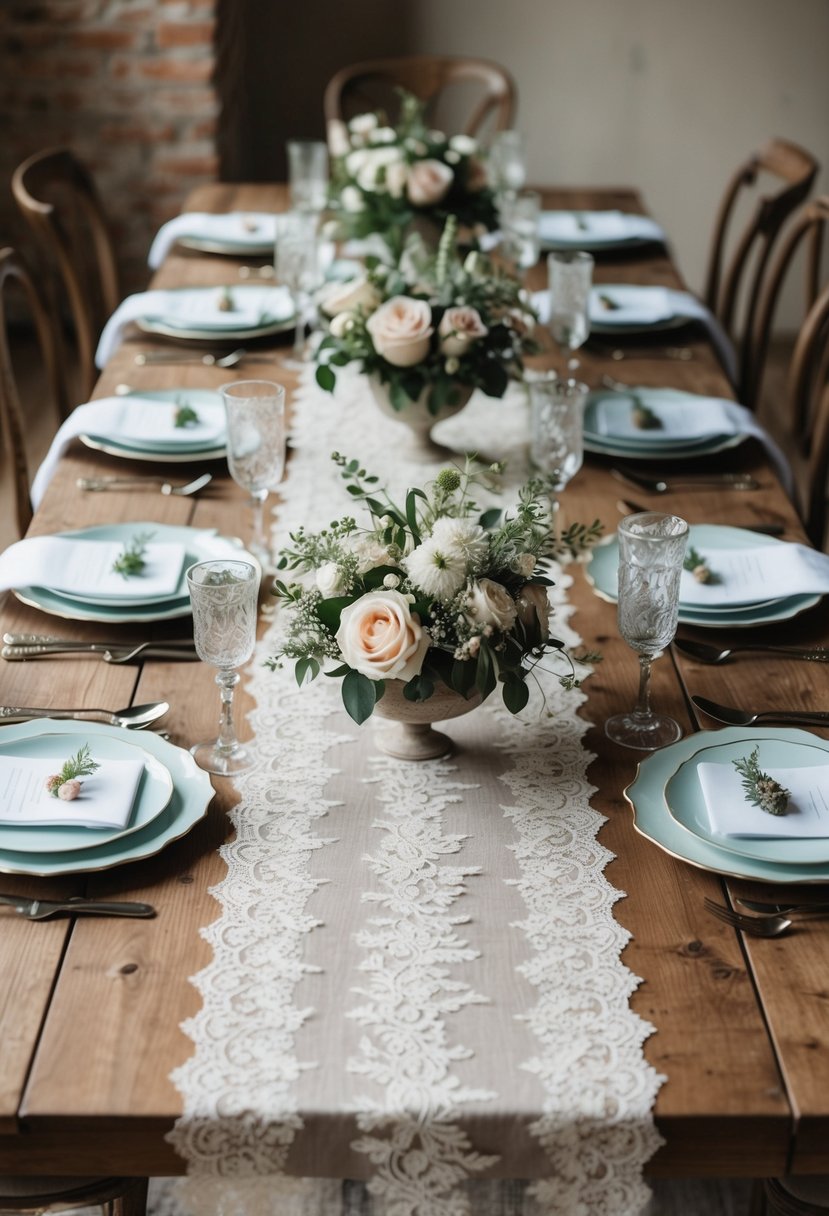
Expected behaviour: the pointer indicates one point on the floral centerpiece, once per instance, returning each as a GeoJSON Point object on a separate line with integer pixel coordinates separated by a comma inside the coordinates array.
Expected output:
{"type": "Point", "coordinates": [432, 595]}
{"type": "Point", "coordinates": [385, 178]}
{"type": "Point", "coordinates": [428, 332]}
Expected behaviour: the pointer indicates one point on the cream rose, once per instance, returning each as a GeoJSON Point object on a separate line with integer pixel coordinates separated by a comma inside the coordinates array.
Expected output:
{"type": "Point", "coordinates": [348, 297]}
{"type": "Point", "coordinates": [400, 330]}
{"type": "Point", "coordinates": [491, 604]}
{"type": "Point", "coordinates": [341, 324]}
{"type": "Point", "coordinates": [330, 580]}
{"type": "Point", "coordinates": [534, 608]}
{"type": "Point", "coordinates": [465, 144]}
{"type": "Point", "coordinates": [459, 328]}
{"type": "Point", "coordinates": [381, 637]}
{"type": "Point", "coordinates": [397, 175]}
{"type": "Point", "coordinates": [429, 182]}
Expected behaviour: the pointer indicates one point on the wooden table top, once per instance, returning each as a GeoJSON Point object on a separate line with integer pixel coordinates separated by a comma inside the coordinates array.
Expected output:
{"type": "Point", "coordinates": [90, 1011]}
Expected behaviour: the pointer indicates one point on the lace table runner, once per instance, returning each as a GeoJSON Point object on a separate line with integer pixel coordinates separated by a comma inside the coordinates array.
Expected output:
{"type": "Point", "coordinates": [416, 980]}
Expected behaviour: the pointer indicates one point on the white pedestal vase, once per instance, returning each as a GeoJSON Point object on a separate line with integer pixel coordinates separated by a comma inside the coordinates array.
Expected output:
{"type": "Point", "coordinates": [419, 419]}
{"type": "Point", "coordinates": [407, 731]}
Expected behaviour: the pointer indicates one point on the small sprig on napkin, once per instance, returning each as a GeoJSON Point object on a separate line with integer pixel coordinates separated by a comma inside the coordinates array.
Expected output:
{"type": "Point", "coordinates": [607, 302]}
{"type": "Point", "coordinates": [696, 563]}
{"type": "Point", "coordinates": [643, 416]}
{"type": "Point", "coordinates": [759, 787]}
{"type": "Point", "coordinates": [66, 784]}
{"type": "Point", "coordinates": [226, 302]}
{"type": "Point", "coordinates": [132, 558]}
{"type": "Point", "coordinates": [185, 415]}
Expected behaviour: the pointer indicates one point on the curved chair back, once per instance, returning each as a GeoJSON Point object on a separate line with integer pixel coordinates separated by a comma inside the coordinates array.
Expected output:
{"type": "Point", "coordinates": [809, 406]}
{"type": "Point", "coordinates": [362, 87]}
{"type": "Point", "coordinates": [12, 429]}
{"type": "Point", "coordinates": [58, 199]}
{"type": "Point", "coordinates": [736, 280]}
{"type": "Point", "coordinates": [810, 226]}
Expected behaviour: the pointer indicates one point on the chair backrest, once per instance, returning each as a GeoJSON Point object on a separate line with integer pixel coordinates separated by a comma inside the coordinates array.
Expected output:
{"type": "Point", "coordinates": [808, 400]}
{"type": "Point", "coordinates": [363, 87]}
{"type": "Point", "coordinates": [12, 429]}
{"type": "Point", "coordinates": [58, 199]}
{"type": "Point", "coordinates": [810, 225]}
{"type": "Point", "coordinates": [733, 282]}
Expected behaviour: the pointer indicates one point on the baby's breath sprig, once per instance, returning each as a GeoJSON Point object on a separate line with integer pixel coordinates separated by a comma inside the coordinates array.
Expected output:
{"type": "Point", "coordinates": [132, 558]}
{"type": "Point", "coordinates": [759, 787]}
{"type": "Point", "coordinates": [66, 784]}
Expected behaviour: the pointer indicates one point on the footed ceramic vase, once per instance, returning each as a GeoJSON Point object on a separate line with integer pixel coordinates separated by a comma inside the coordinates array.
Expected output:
{"type": "Point", "coordinates": [407, 731]}
{"type": "Point", "coordinates": [417, 417]}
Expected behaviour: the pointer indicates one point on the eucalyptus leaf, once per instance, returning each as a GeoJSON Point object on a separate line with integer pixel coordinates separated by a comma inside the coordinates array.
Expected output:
{"type": "Point", "coordinates": [359, 696]}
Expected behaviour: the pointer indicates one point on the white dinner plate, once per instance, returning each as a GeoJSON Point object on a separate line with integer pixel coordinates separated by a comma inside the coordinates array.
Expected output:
{"type": "Point", "coordinates": [181, 320]}
{"type": "Point", "coordinates": [174, 453]}
{"type": "Point", "coordinates": [639, 309]}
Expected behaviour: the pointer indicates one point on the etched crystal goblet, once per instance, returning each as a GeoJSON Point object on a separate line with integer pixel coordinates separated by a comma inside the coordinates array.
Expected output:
{"type": "Point", "coordinates": [570, 276]}
{"type": "Point", "coordinates": [255, 412]}
{"type": "Point", "coordinates": [557, 434]}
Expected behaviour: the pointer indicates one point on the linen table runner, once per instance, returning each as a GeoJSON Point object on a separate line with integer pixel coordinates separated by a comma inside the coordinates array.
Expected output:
{"type": "Point", "coordinates": [416, 980]}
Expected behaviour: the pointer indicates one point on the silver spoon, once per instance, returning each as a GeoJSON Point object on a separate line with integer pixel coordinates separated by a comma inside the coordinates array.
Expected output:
{"type": "Point", "coordinates": [164, 356]}
{"type": "Point", "coordinates": [740, 717]}
{"type": "Point", "coordinates": [703, 652]}
{"type": "Point", "coordinates": [166, 487]}
{"type": "Point", "coordinates": [133, 717]}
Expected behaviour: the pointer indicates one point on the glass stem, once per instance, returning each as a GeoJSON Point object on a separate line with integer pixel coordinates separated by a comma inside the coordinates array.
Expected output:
{"type": "Point", "coordinates": [299, 332]}
{"type": "Point", "coordinates": [555, 522]}
{"type": "Point", "coordinates": [259, 543]}
{"type": "Point", "coordinates": [227, 679]}
{"type": "Point", "coordinates": [573, 364]}
{"type": "Point", "coordinates": [643, 699]}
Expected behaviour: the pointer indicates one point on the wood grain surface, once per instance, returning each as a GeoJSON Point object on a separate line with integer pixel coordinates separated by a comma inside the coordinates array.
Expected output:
{"type": "Point", "coordinates": [90, 1012]}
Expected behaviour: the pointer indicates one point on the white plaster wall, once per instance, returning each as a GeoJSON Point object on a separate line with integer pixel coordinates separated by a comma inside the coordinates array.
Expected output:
{"type": "Point", "coordinates": [667, 95]}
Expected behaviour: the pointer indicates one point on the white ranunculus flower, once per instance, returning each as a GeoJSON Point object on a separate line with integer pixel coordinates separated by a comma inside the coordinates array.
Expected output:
{"type": "Point", "coordinates": [361, 124]}
{"type": "Point", "coordinates": [352, 199]}
{"type": "Point", "coordinates": [464, 539]}
{"type": "Point", "coordinates": [355, 293]}
{"type": "Point", "coordinates": [429, 182]}
{"type": "Point", "coordinates": [383, 135]}
{"type": "Point", "coordinates": [400, 330]}
{"type": "Point", "coordinates": [373, 172]}
{"type": "Point", "coordinates": [459, 328]}
{"type": "Point", "coordinates": [381, 637]}
{"type": "Point", "coordinates": [370, 553]}
{"type": "Point", "coordinates": [491, 604]}
{"type": "Point", "coordinates": [436, 570]}
{"type": "Point", "coordinates": [355, 160]}
{"type": "Point", "coordinates": [534, 608]}
{"type": "Point", "coordinates": [465, 144]}
{"type": "Point", "coordinates": [452, 158]}
{"type": "Point", "coordinates": [341, 324]}
{"type": "Point", "coordinates": [330, 580]}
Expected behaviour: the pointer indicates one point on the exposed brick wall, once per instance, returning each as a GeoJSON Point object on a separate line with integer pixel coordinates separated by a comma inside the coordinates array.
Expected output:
{"type": "Point", "coordinates": [127, 84]}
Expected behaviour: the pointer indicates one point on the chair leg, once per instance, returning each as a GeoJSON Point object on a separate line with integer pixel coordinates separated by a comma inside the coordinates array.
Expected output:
{"type": "Point", "coordinates": [757, 1200]}
{"type": "Point", "coordinates": [133, 1200]}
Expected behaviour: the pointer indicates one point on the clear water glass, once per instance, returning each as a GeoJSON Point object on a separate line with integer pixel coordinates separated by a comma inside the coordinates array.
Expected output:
{"type": "Point", "coordinates": [519, 216]}
{"type": "Point", "coordinates": [651, 556]}
{"type": "Point", "coordinates": [296, 263]}
{"type": "Point", "coordinates": [255, 411]}
{"type": "Point", "coordinates": [507, 162]}
{"type": "Point", "coordinates": [557, 434]}
{"type": "Point", "coordinates": [308, 174]}
{"type": "Point", "coordinates": [570, 276]}
{"type": "Point", "coordinates": [224, 596]}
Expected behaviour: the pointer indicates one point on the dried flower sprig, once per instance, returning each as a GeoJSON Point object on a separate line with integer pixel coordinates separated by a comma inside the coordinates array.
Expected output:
{"type": "Point", "coordinates": [66, 784]}
{"type": "Point", "coordinates": [759, 787]}
{"type": "Point", "coordinates": [698, 566]}
{"type": "Point", "coordinates": [132, 558]}
{"type": "Point", "coordinates": [644, 417]}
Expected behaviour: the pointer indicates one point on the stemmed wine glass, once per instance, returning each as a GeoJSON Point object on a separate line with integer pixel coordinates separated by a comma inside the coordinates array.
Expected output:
{"type": "Point", "coordinates": [308, 174]}
{"type": "Point", "coordinates": [519, 217]}
{"type": "Point", "coordinates": [651, 554]}
{"type": "Point", "coordinates": [507, 164]}
{"type": "Point", "coordinates": [570, 274]}
{"type": "Point", "coordinates": [296, 264]}
{"type": "Point", "coordinates": [255, 411]}
{"type": "Point", "coordinates": [224, 595]}
{"type": "Point", "coordinates": [557, 430]}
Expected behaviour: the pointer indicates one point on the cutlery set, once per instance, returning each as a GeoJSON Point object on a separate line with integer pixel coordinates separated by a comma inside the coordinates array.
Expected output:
{"type": "Point", "coordinates": [42, 909]}
{"type": "Point", "coordinates": [231, 360]}
{"type": "Point", "coordinates": [765, 921]}
{"type": "Point", "coordinates": [18, 647]}
{"type": "Point", "coordinates": [685, 481]}
{"type": "Point", "coordinates": [127, 483]}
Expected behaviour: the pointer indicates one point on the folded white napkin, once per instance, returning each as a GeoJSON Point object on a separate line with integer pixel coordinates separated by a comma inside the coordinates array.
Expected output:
{"type": "Point", "coordinates": [648, 306]}
{"type": "Point", "coordinates": [76, 566]}
{"type": "Point", "coordinates": [238, 228]}
{"type": "Point", "coordinates": [139, 420]}
{"type": "Point", "coordinates": [731, 814]}
{"type": "Point", "coordinates": [105, 800]}
{"type": "Point", "coordinates": [197, 308]}
{"type": "Point", "coordinates": [754, 575]}
{"type": "Point", "coordinates": [577, 229]}
{"type": "Point", "coordinates": [686, 417]}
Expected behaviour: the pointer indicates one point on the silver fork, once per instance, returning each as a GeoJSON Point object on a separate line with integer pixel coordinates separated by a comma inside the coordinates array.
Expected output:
{"type": "Point", "coordinates": [166, 487]}
{"type": "Point", "coordinates": [756, 926]}
{"type": "Point", "coordinates": [165, 356]}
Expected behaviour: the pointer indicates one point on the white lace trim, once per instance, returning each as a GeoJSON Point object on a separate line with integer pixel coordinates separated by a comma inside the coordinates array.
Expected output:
{"type": "Point", "coordinates": [241, 1112]}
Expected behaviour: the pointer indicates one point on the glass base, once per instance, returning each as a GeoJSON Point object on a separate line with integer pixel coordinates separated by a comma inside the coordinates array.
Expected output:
{"type": "Point", "coordinates": [215, 759]}
{"type": "Point", "coordinates": [647, 733]}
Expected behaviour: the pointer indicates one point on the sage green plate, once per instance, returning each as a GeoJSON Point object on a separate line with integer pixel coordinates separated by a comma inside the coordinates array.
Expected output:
{"type": "Point", "coordinates": [653, 819]}
{"type": "Point", "coordinates": [192, 793]}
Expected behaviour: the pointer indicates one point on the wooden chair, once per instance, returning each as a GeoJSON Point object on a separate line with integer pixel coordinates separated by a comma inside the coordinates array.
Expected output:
{"type": "Point", "coordinates": [362, 87]}
{"type": "Point", "coordinates": [58, 200]}
{"type": "Point", "coordinates": [115, 1196]}
{"type": "Point", "coordinates": [809, 226]}
{"type": "Point", "coordinates": [791, 1197]}
{"type": "Point", "coordinates": [809, 410]}
{"type": "Point", "coordinates": [733, 284]}
{"type": "Point", "coordinates": [12, 430]}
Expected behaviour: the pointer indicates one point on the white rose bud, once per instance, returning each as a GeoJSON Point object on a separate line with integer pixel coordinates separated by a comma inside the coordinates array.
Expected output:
{"type": "Point", "coordinates": [451, 366]}
{"type": "Point", "coordinates": [330, 580]}
{"type": "Point", "coordinates": [523, 564]}
{"type": "Point", "coordinates": [391, 581]}
{"type": "Point", "coordinates": [491, 605]}
{"type": "Point", "coordinates": [352, 199]}
{"type": "Point", "coordinates": [465, 144]}
{"type": "Point", "coordinates": [341, 324]}
{"type": "Point", "coordinates": [459, 328]}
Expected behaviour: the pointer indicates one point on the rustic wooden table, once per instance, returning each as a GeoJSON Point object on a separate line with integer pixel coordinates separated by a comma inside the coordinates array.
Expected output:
{"type": "Point", "coordinates": [90, 1010]}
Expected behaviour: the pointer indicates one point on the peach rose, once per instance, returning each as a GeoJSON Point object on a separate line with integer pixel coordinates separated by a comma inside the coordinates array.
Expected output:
{"type": "Point", "coordinates": [491, 604]}
{"type": "Point", "coordinates": [534, 608]}
{"type": "Point", "coordinates": [459, 328]}
{"type": "Point", "coordinates": [429, 182]}
{"type": "Point", "coordinates": [400, 330]}
{"type": "Point", "coordinates": [381, 637]}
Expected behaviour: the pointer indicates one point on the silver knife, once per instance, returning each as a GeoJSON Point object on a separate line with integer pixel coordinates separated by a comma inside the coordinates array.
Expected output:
{"type": "Point", "coordinates": [39, 909]}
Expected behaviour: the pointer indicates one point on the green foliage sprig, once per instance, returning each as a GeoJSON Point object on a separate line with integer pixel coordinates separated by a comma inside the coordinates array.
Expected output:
{"type": "Point", "coordinates": [759, 788]}
{"type": "Point", "coordinates": [132, 558]}
{"type": "Point", "coordinates": [79, 765]}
